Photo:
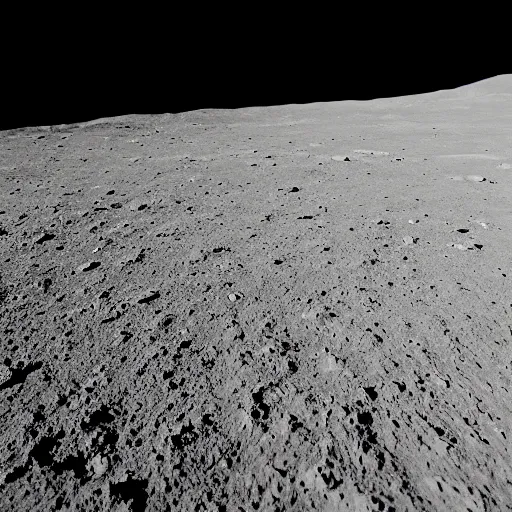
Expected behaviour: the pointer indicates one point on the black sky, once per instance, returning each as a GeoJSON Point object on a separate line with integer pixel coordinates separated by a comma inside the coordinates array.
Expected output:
{"type": "Point", "coordinates": [85, 78]}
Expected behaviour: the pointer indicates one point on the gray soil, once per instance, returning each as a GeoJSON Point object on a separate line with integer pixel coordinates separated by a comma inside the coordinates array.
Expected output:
{"type": "Point", "coordinates": [284, 308]}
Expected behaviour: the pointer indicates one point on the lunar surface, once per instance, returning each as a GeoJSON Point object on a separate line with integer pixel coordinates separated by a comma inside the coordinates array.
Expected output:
{"type": "Point", "coordinates": [303, 307]}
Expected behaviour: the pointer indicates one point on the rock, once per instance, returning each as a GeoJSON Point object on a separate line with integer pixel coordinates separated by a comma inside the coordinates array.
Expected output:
{"type": "Point", "coordinates": [408, 240]}
{"type": "Point", "coordinates": [87, 267]}
{"type": "Point", "coordinates": [99, 465]}
{"type": "Point", "coordinates": [474, 177]}
{"type": "Point", "coordinates": [5, 374]}
{"type": "Point", "coordinates": [232, 297]}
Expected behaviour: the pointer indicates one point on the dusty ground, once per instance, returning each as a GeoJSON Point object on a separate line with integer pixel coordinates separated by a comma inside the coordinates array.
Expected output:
{"type": "Point", "coordinates": [288, 308]}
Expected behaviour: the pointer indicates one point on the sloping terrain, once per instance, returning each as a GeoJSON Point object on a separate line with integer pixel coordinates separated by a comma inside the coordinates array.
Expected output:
{"type": "Point", "coordinates": [305, 307]}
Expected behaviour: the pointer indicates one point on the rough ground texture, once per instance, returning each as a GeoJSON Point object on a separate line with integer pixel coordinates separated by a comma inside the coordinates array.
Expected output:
{"type": "Point", "coordinates": [288, 308]}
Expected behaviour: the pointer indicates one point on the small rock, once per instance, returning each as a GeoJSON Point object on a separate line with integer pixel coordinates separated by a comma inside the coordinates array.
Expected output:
{"type": "Point", "coordinates": [74, 404]}
{"type": "Point", "coordinates": [411, 221]}
{"type": "Point", "coordinates": [408, 240]}
{"type": "Point", "coordinates": [339, 158]}
{"type": "Point", "coordinates": [472, 177]}
{"type": "Point", "coordinates": [45, 238]}
{"type": "Point", "coordinates": [87, 267]}
{"type": "Point", "coordinates": [5, 374]}
{"type": "Point", "coordinates": [99, 464]}
{"type": "Point", "coordinates": [232, 297]}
